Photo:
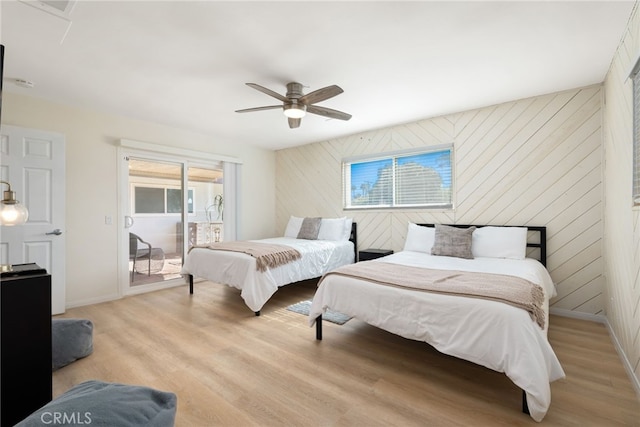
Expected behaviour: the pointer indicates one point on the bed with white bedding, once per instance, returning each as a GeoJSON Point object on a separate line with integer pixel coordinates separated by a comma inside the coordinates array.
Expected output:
{"type": "Point", "coordinates": [332, 246]}
{"type": "Point", "coordinates": [494, 334]}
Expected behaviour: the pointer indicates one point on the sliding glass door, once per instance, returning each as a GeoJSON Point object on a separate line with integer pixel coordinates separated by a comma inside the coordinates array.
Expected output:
{"type": "Point", "coordinates": [171, 205]}
{"type": "Point", "coordinates": [156, 211]}
{"type": "Point", "coordinates": [206, 224]}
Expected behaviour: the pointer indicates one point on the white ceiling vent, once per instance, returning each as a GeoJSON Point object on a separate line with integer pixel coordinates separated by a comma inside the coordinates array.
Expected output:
{"type": "Point", "coordinates": [60, 8]}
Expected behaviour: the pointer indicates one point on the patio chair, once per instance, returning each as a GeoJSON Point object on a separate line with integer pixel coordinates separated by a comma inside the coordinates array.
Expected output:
{"type": "Point", "coordinates": [139, 250]}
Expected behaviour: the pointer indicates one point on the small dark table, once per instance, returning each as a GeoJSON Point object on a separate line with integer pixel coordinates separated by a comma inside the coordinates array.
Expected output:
{"type": "Point", "coordinates": [369, 254]}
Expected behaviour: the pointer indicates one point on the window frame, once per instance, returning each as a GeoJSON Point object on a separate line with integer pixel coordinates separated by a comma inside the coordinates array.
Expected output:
{"type": "Point", "coordinates": [394, 156]}
{"type": "Point", "coordinates": [634, 75]}
{"type": "Point", "coordinates": [166, 189]}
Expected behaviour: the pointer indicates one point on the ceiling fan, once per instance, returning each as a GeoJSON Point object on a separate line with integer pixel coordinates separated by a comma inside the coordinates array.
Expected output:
{"type": "Point", "coordinates": [296, 104]}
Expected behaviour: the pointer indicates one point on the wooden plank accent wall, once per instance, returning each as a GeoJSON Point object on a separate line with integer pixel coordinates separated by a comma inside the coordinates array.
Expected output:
{"type": "Point", "coordinates": [622, 221]}
{"type": "Point", "coordinates": [534, 161]}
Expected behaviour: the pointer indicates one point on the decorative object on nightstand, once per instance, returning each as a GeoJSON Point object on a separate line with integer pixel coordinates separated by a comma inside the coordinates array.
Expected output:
{"type": "Point", "coordinates": [369, 254]}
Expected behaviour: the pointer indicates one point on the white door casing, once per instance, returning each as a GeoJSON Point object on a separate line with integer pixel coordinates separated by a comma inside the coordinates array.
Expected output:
{"type": "Point", "coordinates": [33, 162]}
{"type": "Point", "coordinates": [154, 152]}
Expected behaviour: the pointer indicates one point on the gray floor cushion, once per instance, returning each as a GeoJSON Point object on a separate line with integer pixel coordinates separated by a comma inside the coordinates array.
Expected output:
{"type": "Point", "coordinates": [71, 339]}
{"type": "Point", "coordinates": [97, 403]}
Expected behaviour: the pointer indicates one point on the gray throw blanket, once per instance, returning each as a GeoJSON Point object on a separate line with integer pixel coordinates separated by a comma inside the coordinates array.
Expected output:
{"type": "Point", "coordinates": [511, 290]}
{"type": "Point", "coordinates": [267, 255]}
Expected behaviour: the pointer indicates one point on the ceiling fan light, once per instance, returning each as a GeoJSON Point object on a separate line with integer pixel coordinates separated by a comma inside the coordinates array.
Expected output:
{"type": "Point", "coordinates": [295, 111]}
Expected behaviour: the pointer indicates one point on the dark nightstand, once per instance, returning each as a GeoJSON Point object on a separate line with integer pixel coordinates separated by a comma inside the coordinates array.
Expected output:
{"type": "Point", "coordinates": [368, 254]}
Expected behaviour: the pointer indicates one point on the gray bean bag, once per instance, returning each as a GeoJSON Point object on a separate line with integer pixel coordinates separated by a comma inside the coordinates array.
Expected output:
{"type": "Point", "coordinates": [96, 403]}
{"type": "Point", "coordinates": [71, 339]}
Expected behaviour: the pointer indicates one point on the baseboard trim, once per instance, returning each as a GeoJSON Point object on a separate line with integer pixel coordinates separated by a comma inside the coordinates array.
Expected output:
{"type": "Point", "coordinates": [90, 301]}
{"type": "Point", "coordinates": [616, 343]}
{"type": "Point", "coordinates": [578, 315]}
{"type": "Point", "coordinates": [143, 289]}
{"type": "Point", "coordinates": [627, 364]}
{"type": "Point", "coordinates": [131, 291]}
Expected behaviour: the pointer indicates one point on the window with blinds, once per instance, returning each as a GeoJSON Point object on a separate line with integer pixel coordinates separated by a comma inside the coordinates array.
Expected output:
{"type": "Point", "coordinates": [636, 134]}
{"type": "Point", "coordinates": [421, 179]}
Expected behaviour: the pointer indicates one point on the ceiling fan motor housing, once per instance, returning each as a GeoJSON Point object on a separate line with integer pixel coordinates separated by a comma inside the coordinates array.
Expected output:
{"type": "Point", "coordinates": [294, 90]}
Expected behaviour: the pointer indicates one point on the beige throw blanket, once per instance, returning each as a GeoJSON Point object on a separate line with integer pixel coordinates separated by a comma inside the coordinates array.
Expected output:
{"type": "Point", "coordinates": [512, 290]}
{"type": "Point", "coordinates": [267, 255]}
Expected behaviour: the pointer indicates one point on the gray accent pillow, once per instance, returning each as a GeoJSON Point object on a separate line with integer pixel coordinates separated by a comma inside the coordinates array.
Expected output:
{"type": "Point", "coordinates": [453, 241]}
{"type": "Point", "coordinates": [71, 339]}
{"type": "Point", "coordinates": [97, 403]}
{"type": "Point", "coordinates": [310, 228]}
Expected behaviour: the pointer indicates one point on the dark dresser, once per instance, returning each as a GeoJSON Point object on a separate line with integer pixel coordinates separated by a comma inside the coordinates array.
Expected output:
{"type": "Point", "coordinates": [25, 342]}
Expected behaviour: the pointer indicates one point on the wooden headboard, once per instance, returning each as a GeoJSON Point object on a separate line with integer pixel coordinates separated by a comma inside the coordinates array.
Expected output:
{"type": "Point", "coordinates": [536, 238]}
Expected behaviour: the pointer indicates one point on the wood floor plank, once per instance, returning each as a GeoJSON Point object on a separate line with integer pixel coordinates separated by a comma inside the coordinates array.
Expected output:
{"type": "Point", "coordinates": [229, 367]}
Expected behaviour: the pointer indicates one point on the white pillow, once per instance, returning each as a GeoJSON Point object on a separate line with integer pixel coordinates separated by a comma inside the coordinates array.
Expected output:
{"type": "Point", "coordinates": [331, 229]}
{"type": "Point", "coordinates": [293, 227]}
{"type": "Point", "coordinates": [419, 238]}
{"type": "Point", "coordinates": [499, 242]}
{"type": "Point", "coordinates": [346, 233]}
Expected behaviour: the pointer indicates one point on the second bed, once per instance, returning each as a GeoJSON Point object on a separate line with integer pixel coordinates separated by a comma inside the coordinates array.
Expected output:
{"type": "Point", "coordinates": [491, 333]}
{"type": "Point", "coordinates": [333, 246]}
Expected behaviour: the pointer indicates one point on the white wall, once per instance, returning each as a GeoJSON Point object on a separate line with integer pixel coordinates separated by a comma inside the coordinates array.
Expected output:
{"type": "Point", "coordinates": [91, 186]}
{"type": "Point", "coordinates": [622, 221]}
{"type": "Point", "coordinates": [534, 161]}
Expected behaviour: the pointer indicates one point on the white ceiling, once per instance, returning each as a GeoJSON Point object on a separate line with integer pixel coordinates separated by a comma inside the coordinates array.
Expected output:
{"type": "Point", "coordinates": [185, 64]}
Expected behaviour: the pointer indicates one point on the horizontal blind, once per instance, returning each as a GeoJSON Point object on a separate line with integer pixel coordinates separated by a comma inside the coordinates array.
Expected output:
{"type": "Point", "coordinates": [423, 179]}
{"type": "Point", "coordinates": [371, 183]}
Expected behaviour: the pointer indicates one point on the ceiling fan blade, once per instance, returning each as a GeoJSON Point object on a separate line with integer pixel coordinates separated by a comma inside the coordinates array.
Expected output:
{"type": "Point", "coordinates": [269, 92]}
{"type": "Point", "coordinates": [294, 123]}
{"type": "Point", "coordinates": [320, 95]}
{"type": "Point", "coordinates": [269, 107]}
{"type": "Point", "coordinates": [328, 112]}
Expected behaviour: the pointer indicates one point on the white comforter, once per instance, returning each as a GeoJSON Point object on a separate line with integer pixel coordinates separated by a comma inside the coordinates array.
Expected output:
{"type": "Point", "coordinates": [492, 334]}
{"type": "Point", "coordinates": [239, 270]}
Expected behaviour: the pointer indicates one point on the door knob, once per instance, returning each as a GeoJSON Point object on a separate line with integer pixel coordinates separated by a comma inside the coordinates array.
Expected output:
{"type": "Point", "coordinates": [56, 232]}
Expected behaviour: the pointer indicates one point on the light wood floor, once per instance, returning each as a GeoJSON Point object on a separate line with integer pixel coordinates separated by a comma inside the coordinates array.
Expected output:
{"type": "Point", "coordinates": [230, 368]}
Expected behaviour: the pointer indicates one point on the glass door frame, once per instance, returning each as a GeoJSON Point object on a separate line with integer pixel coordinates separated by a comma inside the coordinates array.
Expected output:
{"type": "Point", "coordinates": [156, 213]}
{"type": "Point", "coordinates": [151, 152]}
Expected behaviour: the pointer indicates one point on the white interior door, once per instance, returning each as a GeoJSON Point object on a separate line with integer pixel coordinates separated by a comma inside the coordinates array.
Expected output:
{"type": "Point", "coordinates": [33, 162]}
